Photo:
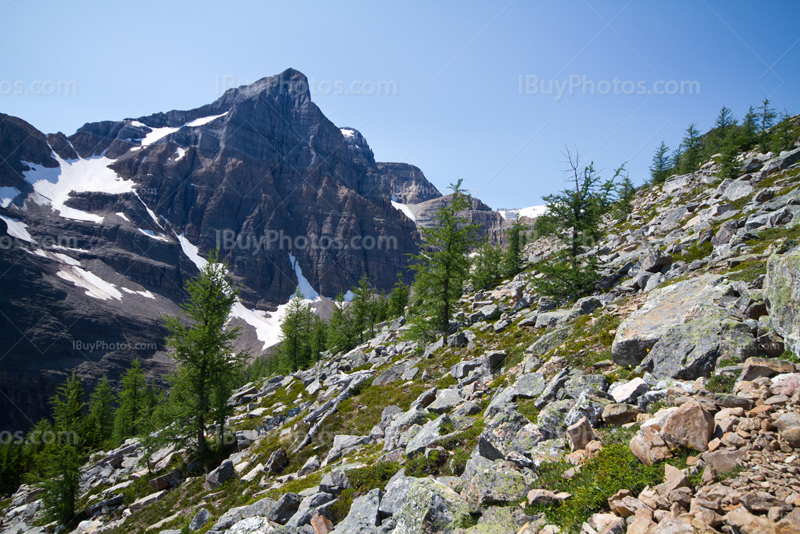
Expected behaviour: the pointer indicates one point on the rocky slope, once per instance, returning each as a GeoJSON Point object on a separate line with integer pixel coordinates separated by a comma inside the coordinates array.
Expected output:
{"type": "Point", "coordinates": [100, 230]}
{"type": "Point", "coordinates": [665, 403]}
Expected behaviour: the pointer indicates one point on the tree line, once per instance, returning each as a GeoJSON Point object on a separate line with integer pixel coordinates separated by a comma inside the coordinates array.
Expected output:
{"type": "Point", "coordinates": [726, 140]}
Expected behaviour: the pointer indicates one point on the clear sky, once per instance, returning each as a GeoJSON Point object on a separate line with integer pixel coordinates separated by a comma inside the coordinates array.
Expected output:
{"type": "Point", "coordinates": [456, 87]}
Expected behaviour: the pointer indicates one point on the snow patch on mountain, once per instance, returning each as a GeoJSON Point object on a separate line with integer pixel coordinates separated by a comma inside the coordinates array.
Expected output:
{"type": "Point", "coordinates": [54, 185]}
{"type": "Point", "coordinates": [203, 120]}
{"type": "Point", "coordinates": [95, 286]}
{"type": "Point", "coordinates": [531, 212]}
{"type": "Point", "coordinates": [405, 209]}
{"type": "Point", "coordinates": [17, 229]}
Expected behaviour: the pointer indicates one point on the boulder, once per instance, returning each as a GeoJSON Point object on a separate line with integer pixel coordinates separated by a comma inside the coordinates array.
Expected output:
{"type": "Point", "coordinates": [691, 425]}
{"type": "Point", "coordinates": [551, 419]}
{"type": "Point", "coordinates": [496, 484]}
{"type": "Point", "coordinates": [343, 444]}
{"type": "Point", "coordinates": [430, 433]}
{"type": "Point", "coordinates": [648, 446]}
{"type": "Point", "coordinates": [690, 350]}
{"type": "Point", "coordinates": [655, 260]}
{"type": "Point", "coordinates": [395, 493]}
{"type": "Point", "coordinates": [173, 478]}
{"type": "Point", "coordinates": [758, 367]}
{"type": "Point", "coordinates": [463, 369]}
{"type": "Point", "coordinates": [587, 305]}
{"type": "Point", "coordinates": [665, 308]}
{"type": "Point", "coordinates": [446, 400]}
{"type": "Point", "coordinates": [220, 475]}
{"type": "Point", "coordinates": [284, 509]}
{"type": "Point", "coordinates": [252, 525]}
{"type": "Point", "coordinates": [363, 515]}
{"type": "Point", "coordinates": [555, 318]}
{"type": "Point", "coordinates": [334, 482]}
{"type": "Point", "coordinates": [543, 345]}
{"type": "Point", "coordinates": [428, 503]}
{"type": "Point", "coordinates": [590, 404]}
{"type": "Point", "coordinates": [313, 505]}
{"type": "Point", "coordinates": [629, 392]}
{"type": "Point", "coordinates": [277, 461]}
{"type": "Point", "coordinates": [530, 386]}
{"type": "Point", "coordinates": [619, 414]}
{"type": "Point", "coordinates": [234, 515]}
{"type": "Point", "coordinates": [199, 520]}
{"type": "Point", "coordinates": [147, 500]}
{"type": "Point", "coordinates": [580, 434]}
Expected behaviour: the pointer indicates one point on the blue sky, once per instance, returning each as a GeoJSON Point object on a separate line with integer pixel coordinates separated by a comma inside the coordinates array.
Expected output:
{"type": "Point", "coordinates": [464, 79]}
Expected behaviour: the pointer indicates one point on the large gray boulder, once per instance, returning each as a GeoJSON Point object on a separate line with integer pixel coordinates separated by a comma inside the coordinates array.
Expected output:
{"type": "Point", "coordinates": [363, 515]}
{"type": "Point", "coordinates": [665, 308]}
{"type": "Point", "coordinates": [318, 503]}
{"type": "Point", "coordinates": [446, 400]}
{"type": "Point", "coordinates": [530, 386]}
{"type": "Point", "coordinates": [543, 345]}
{"type": "Point", "coordinates": [430, 506]}
{"type": "Point", "coordinates": [552, 418]}
{"type": "Point", "coordinates": [495, 484]}
{"type": "Point", "coordinates": [430, 433]}
{"type": "Point", "coordinates": [343, 444]}
{"type": "Point", "coordinates": [689, 351]}
{"type": "Point", "coordinates": [395, 493]}
{"type": "Point", "coordinates": [285, 508]}
{"type": "Point", "coordinates": [235, 515]}
{"type": "Point", "coordinates": [220, 475]}
{"type": "Point", "coordinates": [782, 293]}
{"type": "Point", "coordinates": [589, 404]}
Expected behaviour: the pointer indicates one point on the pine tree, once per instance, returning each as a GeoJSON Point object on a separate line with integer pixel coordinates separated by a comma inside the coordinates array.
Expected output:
{"type": "Point", "coordinates": [784, 136]}
{"type": "Point", "coordinates": [625, 193]}
{"type": "Point", "coordinates": [63, 457]}
{"type": "Point", "coordinates": [340, 332]}
{"type": "Point", "coordinates": [100, 422]}
{"type": "Point", "coordinates": [361, 309]}
{"type": "Point", "coordinates": [443, 266]}
{"type": "Point", "coordinates": [574, 216]}
{"type": "Point", "coordinates": [128, 418]}
{"type": "Point", "coordinates": [690, 159]}
{"type": "Point", "coordinates": [512, 262]}
{"type": "Point", "coordinates": [728, 165]}
{"type": "Point", "coordinates": [747, 135]}
{"type": "Point", "coordinates": [293, 350]}
{"type": "Point", "coordinates": [766, 119]}
{"type": "Point", "coordinates": [398, 298]}
{"type": "Point", "coordinates": [203, 349]}
{"type": "Point", "coordinates": [661, 166]}
{"type": "Point", "coordinates": [676, 160]}
{"type": "Point", "coordinates": [724, 128]}
{"type": "Point", "coordinates": [319, 334]}
{"type": "Point", "coordinates": [486, 266]}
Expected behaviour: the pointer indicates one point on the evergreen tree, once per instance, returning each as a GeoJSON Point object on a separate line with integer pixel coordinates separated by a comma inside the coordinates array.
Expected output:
{"type": "Point", "coordinates": [784, 135]}
{"type": "Point", "coordinates": [625, 193]}
{"type": "Point", "coordinates": [131, 412]}
{"type": "Point", "coordinates": [512, 262]}
{"type": "Point", "coordinates": [724, 128]}
{"type": "Point", "coordinates": [486, 266]}
{"type": "Point", "coordinates": [100, 422]}
{"type": "Point", "coordinates": [766, 119]}
{"type": "Point", "coordinates": [728, 165]}
{"type": "Point", "coordinates": [319, 334]}
{"type": "Point", "coordinates": [293, 350]}
{"type": "Point", "coordinates": [340, 333]}
{"type": "Point", "coordinates": [398, 298]}
{"type": "Point", "coordinates": [362, 309]}
{"type": "Point", "coordinates": [676, 160]}
{"type": "Point", "coordinates": [63, 456]}
{"type": "Point", "coordinates": [661, 166]}
{"type": "Point", "coordinates": [747, 135]}
{"type": "Point", "coordinates": [690, 159]}
{"type": "Point", "coordinates": [203, 349]}
{"type": "Point", "coordinates": [574, 216]}
{"type": "Point", "coordinates": [443, 266]}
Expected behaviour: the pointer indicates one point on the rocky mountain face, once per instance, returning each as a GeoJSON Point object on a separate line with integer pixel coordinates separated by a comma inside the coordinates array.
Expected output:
{"type": "Point", "coordinates": [102, 229]}
{"type": "Point", "coordinates": [492, 224]}
{"type": "Point", "coordinates": [667, 402]}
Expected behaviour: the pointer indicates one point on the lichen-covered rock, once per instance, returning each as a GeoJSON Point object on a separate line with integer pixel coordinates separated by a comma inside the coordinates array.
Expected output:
{"type": "Point", "coordinates": [665, 308]}
{"type": "Point", "coordinates": [589, 404]}
{"type": "Point", "coordinates": [429, 434]}
{"type": "Point", "coordinates": [220, 475]}
{"type": "Point", "coordinates": [495, 484]}
{"type": "Point", "coordinates": [552, 419]}
{"type": "Point", "coordinates": [431, 506]}
{"type": "Point", "coordinates": [446, 400]}
{"type": "Point", "coordinates": [530, 386]}
{"type": "Point", "coordinates": [782, 293]}
{"type": "Point", "coordinates": [363, 515]}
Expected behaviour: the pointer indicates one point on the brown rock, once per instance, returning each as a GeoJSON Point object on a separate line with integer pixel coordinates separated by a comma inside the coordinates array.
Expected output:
{"type": "Point", "coordinates": [792, 436]}
{"type": "Point", "coordinates": [690, 426]}
{"type": "Point", "coordinates": [620, 414]}
{"type": "Point", "coordinates": [648, 446]}
{"type": "Point", "coordinates": [593, 448]}
{"type": "Point", "coordinates": [321, 524]}
{"type": "Point", "coordinates": [789, 524]}
{"type": "Point", "coordinates": [746, 523]}
{"type": "Point", "coordinates": [642, 523]}
{"type": "Point", "coordinates": [580, 434]}
{"type": "Point", "coordinates": [720, 462]}
{"type": "Point", "coordinates": [674, 478]}
{"type": "Point", "coordinates": [542, 496]}
{"type": "Point", "coordinates": [758, 367]}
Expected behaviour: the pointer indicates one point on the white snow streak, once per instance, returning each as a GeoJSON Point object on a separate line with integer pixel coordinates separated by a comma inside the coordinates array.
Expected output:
{"type": "Point", "coordinates": [95, 286]}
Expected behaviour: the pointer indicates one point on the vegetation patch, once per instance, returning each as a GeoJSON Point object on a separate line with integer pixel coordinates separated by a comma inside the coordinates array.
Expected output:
{"type": "Point", "coordinates": [361, 482]}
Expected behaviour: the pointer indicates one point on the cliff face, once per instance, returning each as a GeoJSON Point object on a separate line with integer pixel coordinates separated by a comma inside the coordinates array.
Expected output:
{"type": "Point", "coordinates": [492, 223]}
{"type": "Point", "coordinates": [101, 229]}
